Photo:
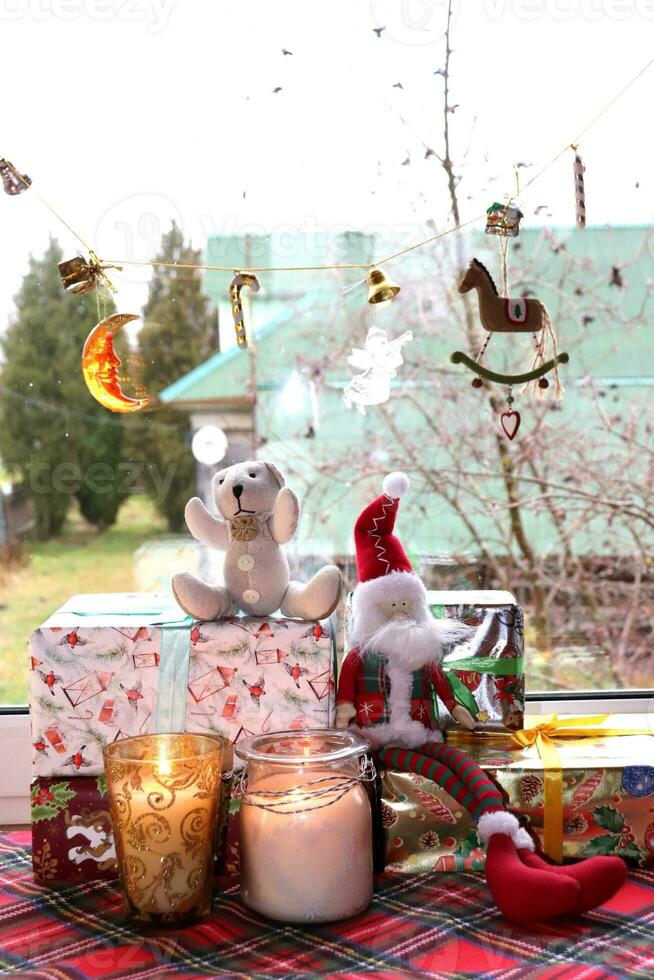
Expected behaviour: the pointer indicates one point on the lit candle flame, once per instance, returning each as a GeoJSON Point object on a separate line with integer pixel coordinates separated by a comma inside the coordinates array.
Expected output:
{"type": "Point", "coordinates": [164, 763]}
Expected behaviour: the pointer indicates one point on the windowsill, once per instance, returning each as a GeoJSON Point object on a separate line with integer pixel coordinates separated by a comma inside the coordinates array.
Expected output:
{"type": "Point", "coordinates": [590, 703]}
{"type": "Point", "coordinates": [15, 768]}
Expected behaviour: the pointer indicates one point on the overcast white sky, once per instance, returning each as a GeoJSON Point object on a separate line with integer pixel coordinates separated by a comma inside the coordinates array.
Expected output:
{"type": "Point", "coordinates": [132, 112]}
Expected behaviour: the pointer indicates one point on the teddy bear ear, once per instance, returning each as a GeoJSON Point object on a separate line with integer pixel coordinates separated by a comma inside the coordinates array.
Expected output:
{"type": "Point", "coordinates": [275, 472]}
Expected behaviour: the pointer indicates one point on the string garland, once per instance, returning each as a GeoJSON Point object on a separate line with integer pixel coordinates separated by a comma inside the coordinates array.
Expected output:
{"type": "Point", "coordinates": [156, 264]}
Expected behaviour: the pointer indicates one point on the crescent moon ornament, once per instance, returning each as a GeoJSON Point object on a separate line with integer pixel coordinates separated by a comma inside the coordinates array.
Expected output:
{"type": "Point", "coordinates": [100, 365]}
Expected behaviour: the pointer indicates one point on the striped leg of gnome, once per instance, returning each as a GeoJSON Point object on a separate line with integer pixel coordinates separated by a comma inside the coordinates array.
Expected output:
{"type": "Point", "coordinates": [525, 888]}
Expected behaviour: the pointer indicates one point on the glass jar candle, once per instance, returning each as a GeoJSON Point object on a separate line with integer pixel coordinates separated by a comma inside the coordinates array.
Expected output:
{"type": "Point", "coordinates": [305, 826]}
{"type": "Point", "coordinates": [163, 793]}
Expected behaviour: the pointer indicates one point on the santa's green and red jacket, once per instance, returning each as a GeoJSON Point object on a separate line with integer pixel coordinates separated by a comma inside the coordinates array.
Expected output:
{"type": "Point", "coordinates": [364, 682]}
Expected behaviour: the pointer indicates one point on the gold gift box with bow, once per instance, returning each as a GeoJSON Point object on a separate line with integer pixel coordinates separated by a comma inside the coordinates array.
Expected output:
{"type": "Point", "coordinates": [582, 786]}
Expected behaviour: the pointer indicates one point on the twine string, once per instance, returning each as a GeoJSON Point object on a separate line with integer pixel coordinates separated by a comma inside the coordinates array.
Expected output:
{"type": "Point", "coordinates": [577, 139]}
{"type": "Point", "coordinates": [46, 204]}
{"type": "Point", "coordinates": [299, 799]}
{"type": "Point", "coordinates": [504, 248]}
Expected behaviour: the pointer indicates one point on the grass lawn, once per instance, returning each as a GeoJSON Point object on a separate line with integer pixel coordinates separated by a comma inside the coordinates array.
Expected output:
{"type": "Point", "coordinates": [81, 560]}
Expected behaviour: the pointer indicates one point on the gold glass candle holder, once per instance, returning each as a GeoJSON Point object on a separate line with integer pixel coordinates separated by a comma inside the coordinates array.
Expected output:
{"type": "Point", "coordinates": [306, 826]}
{"type": "Point", "coordinates": [164, 792]}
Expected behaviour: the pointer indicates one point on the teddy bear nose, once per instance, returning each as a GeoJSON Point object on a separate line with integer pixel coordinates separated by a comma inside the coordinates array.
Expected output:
{"type": "Point", "coordinates": [237, 490]}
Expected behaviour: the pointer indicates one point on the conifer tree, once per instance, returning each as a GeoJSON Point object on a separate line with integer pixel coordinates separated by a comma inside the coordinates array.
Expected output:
{"type": "Point", "coordinates": [52, 432]}
{"type": "Point", "coordinates": [178, 333]}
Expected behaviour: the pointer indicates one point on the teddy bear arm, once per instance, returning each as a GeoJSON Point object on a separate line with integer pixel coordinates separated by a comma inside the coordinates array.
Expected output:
{"type": "Point", "coordinates": [204, 526]}
{"type": "Point", "coordinates": [345, 712]}
{"type": "Point", "coordinates": [285, 517]}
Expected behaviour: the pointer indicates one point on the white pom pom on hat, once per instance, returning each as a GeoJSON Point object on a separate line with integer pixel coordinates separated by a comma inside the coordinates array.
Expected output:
{"type": "Point", "coordinates": [395, 484]}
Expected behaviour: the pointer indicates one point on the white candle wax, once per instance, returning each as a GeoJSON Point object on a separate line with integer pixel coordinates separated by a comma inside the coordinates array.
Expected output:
{"type": "Point", "coordinates": [310, 865]}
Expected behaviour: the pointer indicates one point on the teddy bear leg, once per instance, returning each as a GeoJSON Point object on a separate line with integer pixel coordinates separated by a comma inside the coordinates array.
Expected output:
{"type": "Point", "coordinates": [199, 600]}
{"type": "Point", "coordinates": [315, 600]}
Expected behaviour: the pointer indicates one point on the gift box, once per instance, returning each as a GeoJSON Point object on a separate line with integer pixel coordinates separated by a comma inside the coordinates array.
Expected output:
{"type": "Point", "coordinates": [606, 791]}
{"type": "Point", "coordinates": [72, 833]}
{"type": "Point", "coordinates": [72, 836]}
{"type": "Point", "coordinates": [228, 856]}
{"type": "Point", "coordinates": [487, 672]}
{"type": "Point", "coordinates": [109, 666]}
{"type": "Point", "coordinates": [606, 798]}
{"type": "Point", "coordinates": [424, 828]}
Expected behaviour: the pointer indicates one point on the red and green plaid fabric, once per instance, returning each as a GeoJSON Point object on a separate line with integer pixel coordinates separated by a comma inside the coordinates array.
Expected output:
{"type": "Point", "coordinates": [430, 925]}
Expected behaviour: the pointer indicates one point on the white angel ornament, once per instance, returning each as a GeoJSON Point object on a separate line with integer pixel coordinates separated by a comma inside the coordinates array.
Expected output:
{"type": "Point", "coordinates": [377, 362]}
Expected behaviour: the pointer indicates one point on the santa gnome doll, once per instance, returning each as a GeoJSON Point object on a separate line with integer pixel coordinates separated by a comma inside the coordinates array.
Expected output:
{"type": "Point", "coordinates": [386, 691]}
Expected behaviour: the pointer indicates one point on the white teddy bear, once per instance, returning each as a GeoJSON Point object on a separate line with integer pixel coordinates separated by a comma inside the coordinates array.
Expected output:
{"type": "Point", "coordinates": [258, 515]}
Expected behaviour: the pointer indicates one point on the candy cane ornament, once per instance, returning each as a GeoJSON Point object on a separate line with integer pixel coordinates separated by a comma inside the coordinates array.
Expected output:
{"type": "Point", "coordinates": [580, 194]}
{"type": "Point", "coordinates": [240, 280]}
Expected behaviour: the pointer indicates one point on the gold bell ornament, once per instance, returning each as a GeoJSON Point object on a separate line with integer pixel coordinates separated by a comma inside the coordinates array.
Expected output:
{"type": "Point", "coordinates": [381, 289]}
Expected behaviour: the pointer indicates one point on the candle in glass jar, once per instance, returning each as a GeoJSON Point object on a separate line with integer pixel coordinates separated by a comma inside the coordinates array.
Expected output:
{"type": "Point", "coordinates": [309, 858]}
{"type": "Point", "coordinates": [164, 809]}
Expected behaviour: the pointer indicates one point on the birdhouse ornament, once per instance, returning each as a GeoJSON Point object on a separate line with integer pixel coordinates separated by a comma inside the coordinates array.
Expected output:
{"type": "Point", "coordinates": [503, 219]}
{"type": "Point", "coordinates": [387, 689]}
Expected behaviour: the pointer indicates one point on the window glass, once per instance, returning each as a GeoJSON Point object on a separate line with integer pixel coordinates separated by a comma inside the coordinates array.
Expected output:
{"type": "Point", "coordinates": [302, 150]}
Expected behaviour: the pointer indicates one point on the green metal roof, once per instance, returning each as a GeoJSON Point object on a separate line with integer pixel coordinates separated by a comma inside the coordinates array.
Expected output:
{"type": "Point", "coordinates": [226, 374]}
{"type": "Point", "coordinates": [313, 437]}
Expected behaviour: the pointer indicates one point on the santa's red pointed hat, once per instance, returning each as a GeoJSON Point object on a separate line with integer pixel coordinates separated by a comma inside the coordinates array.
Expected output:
{"type": "Point", "coordinates": [381, 560]}
{"type": "Point", "coordinates": [379, 552]}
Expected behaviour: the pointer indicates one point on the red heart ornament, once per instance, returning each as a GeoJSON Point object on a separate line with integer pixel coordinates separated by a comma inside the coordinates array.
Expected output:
{"type": "Point", "coordinates": [510, 422]}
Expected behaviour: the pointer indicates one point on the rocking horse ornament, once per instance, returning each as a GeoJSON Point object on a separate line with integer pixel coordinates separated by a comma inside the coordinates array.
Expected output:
{"type": "Point", "coordinates": [500, 314]}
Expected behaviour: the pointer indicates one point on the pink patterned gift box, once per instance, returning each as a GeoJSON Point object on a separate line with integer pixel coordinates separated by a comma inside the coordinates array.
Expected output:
{"type": "Point", "coordinates": [107, 667]}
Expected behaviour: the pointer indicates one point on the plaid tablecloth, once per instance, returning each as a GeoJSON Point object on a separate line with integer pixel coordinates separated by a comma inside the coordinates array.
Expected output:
{"type": "Point", "coordinates": [430, 925]}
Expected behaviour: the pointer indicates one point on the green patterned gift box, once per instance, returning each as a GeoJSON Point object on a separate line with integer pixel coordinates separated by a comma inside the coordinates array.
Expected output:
{"type": "Point", "coordinates": [486, 672]}
{"type": "Point", "coordinates": [607, 797]}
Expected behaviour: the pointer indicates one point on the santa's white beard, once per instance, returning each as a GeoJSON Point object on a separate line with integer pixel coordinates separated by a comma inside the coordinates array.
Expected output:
{"type": "Point", "coordinates": [408, 643]}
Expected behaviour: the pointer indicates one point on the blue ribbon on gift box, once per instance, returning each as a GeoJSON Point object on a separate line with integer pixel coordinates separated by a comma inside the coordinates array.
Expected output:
{"type": "Point", "coordinates": [174, 655]}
